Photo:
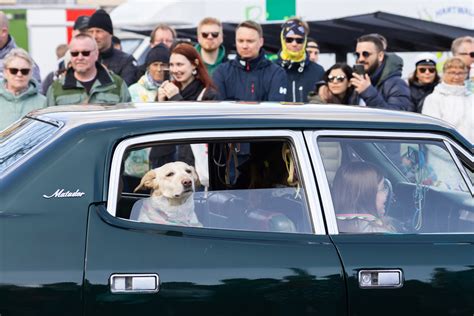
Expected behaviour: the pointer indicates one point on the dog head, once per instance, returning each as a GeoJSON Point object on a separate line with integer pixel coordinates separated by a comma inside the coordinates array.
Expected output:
{"type": "Point", "coordinates": [174, 180]}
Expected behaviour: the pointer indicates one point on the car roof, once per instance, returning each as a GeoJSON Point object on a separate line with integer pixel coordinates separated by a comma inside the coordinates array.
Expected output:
{"type": "Point", "coordinates": [290, 114]}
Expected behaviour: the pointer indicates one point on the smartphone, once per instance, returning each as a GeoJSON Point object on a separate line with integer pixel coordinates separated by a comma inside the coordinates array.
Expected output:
{"type": "Point", "coordinates": [166, 74]}
{"type": "Point", "coordinates": [359, 69]}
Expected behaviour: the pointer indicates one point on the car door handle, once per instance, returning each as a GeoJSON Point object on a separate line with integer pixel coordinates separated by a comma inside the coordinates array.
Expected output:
{"type": "Point", "coordinates": [369, 279]}
{"type": "Point", "coordinates": [134, 283]}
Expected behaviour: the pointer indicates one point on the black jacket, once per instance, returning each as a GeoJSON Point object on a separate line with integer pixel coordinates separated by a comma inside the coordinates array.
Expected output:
{"type": "Point", "coordinates": [192, 92]}
{"type": "Point", "coordinates": [302, 78]}
{"type": "Point", "coordinates": [121, 64]}
{"type": "Point", "coordinates": [250, 80]}
{"type": "Point", "coordinates": [419, 92]}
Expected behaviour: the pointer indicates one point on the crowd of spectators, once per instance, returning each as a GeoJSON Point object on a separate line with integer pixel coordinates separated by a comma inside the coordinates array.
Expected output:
{"type": "Point", "coordinates": [93, 69]}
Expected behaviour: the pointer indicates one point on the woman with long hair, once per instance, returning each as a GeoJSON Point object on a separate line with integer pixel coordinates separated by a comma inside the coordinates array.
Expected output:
{"type": "Point", "coordinates": [335, 87]}
{"type": "Point", "coordinates": [190, 82]}
{"type": "Point", "coordinates": [423, 80]}
{"type": "Point", "coordinates": [359, 197]}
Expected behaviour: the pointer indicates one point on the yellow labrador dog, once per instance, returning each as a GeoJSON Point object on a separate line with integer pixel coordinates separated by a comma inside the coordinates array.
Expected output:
{"type": "Point", "coordinates": [171, 198]}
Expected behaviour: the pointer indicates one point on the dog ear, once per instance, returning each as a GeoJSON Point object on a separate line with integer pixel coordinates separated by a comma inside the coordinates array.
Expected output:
{"type": "Point", "coordinates": [147, 181]}
{"type": "Point", "coordinates": [197, 183]}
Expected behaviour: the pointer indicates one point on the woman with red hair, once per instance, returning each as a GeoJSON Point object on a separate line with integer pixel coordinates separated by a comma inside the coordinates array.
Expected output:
{"type": "Point", "coordinates": [191, 82]}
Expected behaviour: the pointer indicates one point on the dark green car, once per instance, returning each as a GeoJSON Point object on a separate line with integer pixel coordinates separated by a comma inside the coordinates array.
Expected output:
{"type": "Point", "coordinates": [295, 210]}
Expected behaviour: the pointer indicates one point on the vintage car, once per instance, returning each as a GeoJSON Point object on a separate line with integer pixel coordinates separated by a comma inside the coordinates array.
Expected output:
{"type": "Point", "coordinates": [298, 210]}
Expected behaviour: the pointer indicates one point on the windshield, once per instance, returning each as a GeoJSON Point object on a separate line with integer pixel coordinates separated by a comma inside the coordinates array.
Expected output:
{"type": "Point", "coordinates": [21, 138]}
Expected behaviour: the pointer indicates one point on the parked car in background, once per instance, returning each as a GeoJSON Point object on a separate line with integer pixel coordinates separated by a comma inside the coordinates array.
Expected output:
{"type": "Point", "coordinates": [272, 238]}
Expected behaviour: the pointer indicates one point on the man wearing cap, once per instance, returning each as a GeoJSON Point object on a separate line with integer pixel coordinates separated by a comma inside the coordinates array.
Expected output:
{"type": "Point", "coordinates": [302, 74]}
{"type": "Point", "coordinates": [250, 76]}
{"type": "Point", "coordinates": [312, 49]}
{"type": "Point", "coordinates": [121, 63]}
{"type": "Point", "coordinates": [87, 81]}
{"type": "Point", "coordinates": [80, 25]}
{"type": "Point", "coordinates": [423, 80]}
{"type": "Point", "coordinates": [157, 70]}
{"type": "Point", "coordinates": [381, 86]}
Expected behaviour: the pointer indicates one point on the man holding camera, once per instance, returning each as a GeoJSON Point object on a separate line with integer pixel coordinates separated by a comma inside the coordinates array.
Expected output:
{"type": "Point", "coordinates": [381, 86]}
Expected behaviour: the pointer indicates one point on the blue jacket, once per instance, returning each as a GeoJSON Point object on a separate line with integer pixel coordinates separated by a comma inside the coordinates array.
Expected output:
{"type": "Point", "coordinates": [388, 89]}
{"type": "Point", "coordinates": [302, 78]}
{"type": "Point", "coordinates": [256, 80]}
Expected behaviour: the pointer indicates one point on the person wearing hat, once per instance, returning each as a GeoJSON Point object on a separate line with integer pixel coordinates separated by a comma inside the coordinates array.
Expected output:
{"type": "Point", "coordinates": [301, 72]}
{"type": "Point", "coordinates": [157, 70]}
{"type": "Point", "coordinates": [123, 64]}
{"type": "Point", "coordinates": [423, 80]}
{"type": "Point", "coordinates": [87, 81]}
{"type": "Point", "coordinates": [312, 49]}
{"type": "Point", "coordinates": [80, 25]}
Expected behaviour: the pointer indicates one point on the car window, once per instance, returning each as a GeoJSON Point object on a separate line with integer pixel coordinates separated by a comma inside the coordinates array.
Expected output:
{"type": "Point", "coordinates": [21, 138]}
{"type": "Point", "coordinates": [234, 184]}
{"type": "Point", "coordinates": [394, 186]}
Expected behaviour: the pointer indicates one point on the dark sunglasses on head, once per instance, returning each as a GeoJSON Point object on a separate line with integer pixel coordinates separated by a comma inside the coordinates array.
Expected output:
{"type": "Point", "coordinates": [430, 70]}
{"type": "Point", "coordinates": [23, 71]}
{"type": "Point", "coordinates": [297, 40]}
{"type": "Point", "coordinates": [364, 53]}
{"type": "Point", "coordinates": [339, 78]}
{"type": "Point", "coordinates": [471, 54]}
{"type": "Point", "coordinates": [213, 34]}
{"type": "Point", "coordinates": [84, 53]}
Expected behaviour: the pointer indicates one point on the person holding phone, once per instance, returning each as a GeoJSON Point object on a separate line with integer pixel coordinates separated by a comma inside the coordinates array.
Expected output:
{"type": "Point", "coordinates": [381, 86]}
{"type": "Point", "coordinates": [157, 71]}
{"type": "Point", "coordinates": [191, 82]}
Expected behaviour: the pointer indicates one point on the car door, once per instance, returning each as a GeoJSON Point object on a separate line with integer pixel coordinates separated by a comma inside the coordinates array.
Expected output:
{"type": "Point", "coordinates": [262, 248]}
{"type": "Point", "coordinates": [420, 259]}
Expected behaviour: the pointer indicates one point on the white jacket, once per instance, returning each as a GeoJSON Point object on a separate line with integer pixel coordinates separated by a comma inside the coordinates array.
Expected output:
{"type": "Point", "coordinates": [453, 104]}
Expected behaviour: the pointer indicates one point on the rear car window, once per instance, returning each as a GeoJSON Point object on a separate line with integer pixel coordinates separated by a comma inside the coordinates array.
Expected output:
{"type": "Point", "coordinates": [235, 184]}
{"type": "Point", "coordinates": [21, 138]}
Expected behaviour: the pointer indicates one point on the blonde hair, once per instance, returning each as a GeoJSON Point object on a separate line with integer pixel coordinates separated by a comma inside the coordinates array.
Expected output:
{"type": "Point", "coordinates": [454, 62]}
{"type": "Point", "coordinates": [18, 53]}
{"type": "Point", "coordinates": [209, 21]}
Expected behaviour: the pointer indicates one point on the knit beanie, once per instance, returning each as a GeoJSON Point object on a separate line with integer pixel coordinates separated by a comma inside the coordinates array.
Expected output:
{"type": "Point", "coordinates": [101, 19]}
{"type": "Point", "coordinates": [159, 53]}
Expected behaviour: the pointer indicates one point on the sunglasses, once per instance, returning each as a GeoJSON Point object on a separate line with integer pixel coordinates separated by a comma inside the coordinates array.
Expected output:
{"type": "Point", "coordinates": [213, 34]}
{"type": "Point", "coordinates": [364, 53]}
{"type": "Point", "coordinates": [339, 78]}
{"type": "Point", "coordinates": [297, 40]}
{"type": "Point", "coordinates": [430, 70]}
{"type": "Point", "coordinates": [471, 54]}
{"type": "Point", "coordinates": [23, 71]}
{"type": "Point", "coordinates": [84, 53]}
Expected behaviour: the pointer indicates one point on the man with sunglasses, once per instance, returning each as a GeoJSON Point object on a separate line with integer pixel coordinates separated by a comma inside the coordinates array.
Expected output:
{"type": "Point", "coordinates": [463, 47]}
{"type": "Point", "coordinates": [381, 86]}
{"type": "Point", "coordinates": [250, 76]}
{"type": "Point", "coordinates": [121, 63]}
{"type": "Point", "coordinates": [302, 74]}
{"type": "Point", "coordinates": [210, 38]}
{"type": "Point", "coordinates": [87, 81]}
{"type": "Point", "coordinates": [7, 43]}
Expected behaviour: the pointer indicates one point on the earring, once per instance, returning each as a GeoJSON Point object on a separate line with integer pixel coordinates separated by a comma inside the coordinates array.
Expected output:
{"type": "Point", "coordinates": [194, 72]}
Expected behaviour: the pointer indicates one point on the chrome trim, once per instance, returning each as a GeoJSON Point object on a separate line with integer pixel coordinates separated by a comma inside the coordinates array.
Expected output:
{"type": "Point", "coordinates": [311, 137]}
{"type": "Point", "coordinates": [134, 275]}
{"type": "Point", "coordinates": [368, 287]}
{"type": "Point", "coordinates": [294, 136]}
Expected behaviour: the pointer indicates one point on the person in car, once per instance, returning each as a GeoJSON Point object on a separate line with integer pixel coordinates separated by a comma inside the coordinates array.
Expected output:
{"type": "Point", "coordinates": [335, 87]}
{"type": "Point", "coordinates": [359, 196]}
{"type": "Point", "coordinates": [18, 90]}
{"type": "Point", "coordinates": [157, 68]}
{"type": "Point", "coordinates": [191, 82]}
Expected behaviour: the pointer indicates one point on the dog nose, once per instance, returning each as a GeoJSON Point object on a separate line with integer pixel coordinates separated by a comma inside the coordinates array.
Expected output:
{"type": "Point", "coordinates": [187, 183]}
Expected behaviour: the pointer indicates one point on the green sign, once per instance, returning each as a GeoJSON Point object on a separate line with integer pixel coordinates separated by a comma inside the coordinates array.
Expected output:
{"type": "Point", "coordinates": [280, 9]}
{"type": "Point", "coordinates": [17, 26]}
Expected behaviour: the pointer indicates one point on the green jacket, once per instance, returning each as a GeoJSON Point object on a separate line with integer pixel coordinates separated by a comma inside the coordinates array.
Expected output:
{"type": "Point", "coordinates": [13, 107]}
{"type": "Point", "coordinates": [108, 88]}
{"type": "Point", "coordinates": [221, 58]}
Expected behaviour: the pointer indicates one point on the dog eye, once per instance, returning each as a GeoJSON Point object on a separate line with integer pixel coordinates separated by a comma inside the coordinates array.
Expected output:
{"type": "Point", "coordinates": [170, 174]}
{"type": "Point", "coordinates": [188, 170]}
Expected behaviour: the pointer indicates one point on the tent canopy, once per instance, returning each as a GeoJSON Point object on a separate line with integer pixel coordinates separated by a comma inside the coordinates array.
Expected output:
{"type": "Point", "coordinates": [339, 36]}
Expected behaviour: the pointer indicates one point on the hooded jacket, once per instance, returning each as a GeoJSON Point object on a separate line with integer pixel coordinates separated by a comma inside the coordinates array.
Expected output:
{"type": "Point", "coordinates": [221, 58]}
{"type": "Point", "coordinates": [108, 88]}
{"type": "Point", "coordinates": [388, 89]}
{"type": "Point", "coordinates": [120, 63]}
{"type": "Point", "coordinates": [453, 104]}
{"type": "Point", "coordinates": [13, 107]}
{"type": "Point", "coordinates": [302, 78]}
{"type": "Point", "coordinates": [250, 80]}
